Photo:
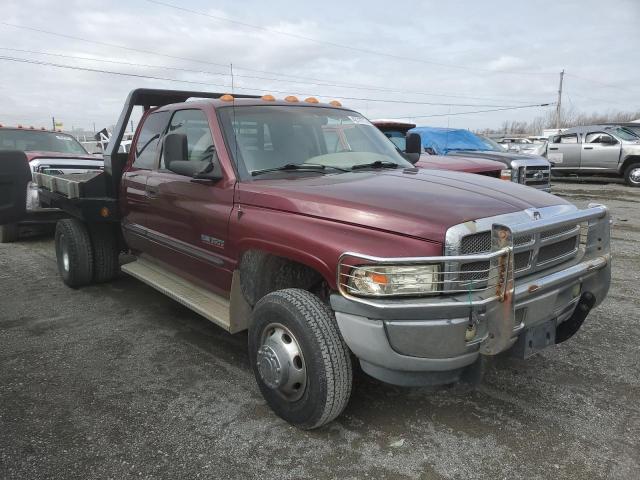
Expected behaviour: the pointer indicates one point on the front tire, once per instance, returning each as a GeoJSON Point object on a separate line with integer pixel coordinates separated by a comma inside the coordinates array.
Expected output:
{"type": "Point", "coordinates": [632, 175]}
{"type": "Point", "coordinates": [73, 253]}
{"type": "Point", "coordinates": [9, 233]}
{"type": "Point", "coordinates": [300, 361]}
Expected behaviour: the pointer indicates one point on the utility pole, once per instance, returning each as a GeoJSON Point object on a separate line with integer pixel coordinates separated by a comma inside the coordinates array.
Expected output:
{"type": "Point", "coordinates": [53, 123]}
{"type": "Point", "coordinates": [559, 104]}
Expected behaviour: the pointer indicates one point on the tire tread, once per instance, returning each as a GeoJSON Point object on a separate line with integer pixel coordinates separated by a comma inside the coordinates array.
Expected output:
{"type": "Point", "coordinates": [335, 353]}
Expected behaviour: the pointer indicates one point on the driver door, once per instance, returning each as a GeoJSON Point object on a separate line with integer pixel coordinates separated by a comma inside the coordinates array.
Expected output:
{"type": "Point", "coordinates": [188, 220]}
{"type": "Point", "coordinates": [600, 154]}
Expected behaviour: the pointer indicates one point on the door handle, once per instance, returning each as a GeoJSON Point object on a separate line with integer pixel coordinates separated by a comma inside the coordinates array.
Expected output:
{"type": "Point", "coordinates": [588, 148]}
{"type": "Point", "coordinates": [553, 148]}
{"type": "Point", "coordinates": [151, 191]}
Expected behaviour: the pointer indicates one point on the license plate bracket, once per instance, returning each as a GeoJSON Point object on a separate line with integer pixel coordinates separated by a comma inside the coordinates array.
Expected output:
{"type": "Point", "coordinates": [534, 339]}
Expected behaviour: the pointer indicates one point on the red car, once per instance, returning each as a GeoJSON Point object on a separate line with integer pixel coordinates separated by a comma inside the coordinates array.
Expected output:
{"type": "Point", "coordinates": [47, 152]}
{"type": "Point", "coordinates": [396, 131]}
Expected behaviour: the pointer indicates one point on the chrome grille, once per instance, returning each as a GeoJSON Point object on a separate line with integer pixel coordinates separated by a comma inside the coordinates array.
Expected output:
{"type": "Point", "coordinates": [481, 242]}
{"type": "Point", "coordinates": [532, 252]}
{"type": "Point", "coordinates": [476, 243]}
{"type": "Point", "coordinates": [537, 176]}
{"type": "Point", "coordinates": [557, 250]}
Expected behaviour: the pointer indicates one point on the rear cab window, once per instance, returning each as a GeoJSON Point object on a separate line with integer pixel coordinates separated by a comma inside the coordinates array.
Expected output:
{"type": "Point", "coordinates": [568, 138]}
{"type": "Point", "coordinates": [145, 154]}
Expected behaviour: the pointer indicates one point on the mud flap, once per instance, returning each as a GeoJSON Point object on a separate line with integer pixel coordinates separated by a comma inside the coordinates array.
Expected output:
{"type": "Point", "coordinates": [15, 175]}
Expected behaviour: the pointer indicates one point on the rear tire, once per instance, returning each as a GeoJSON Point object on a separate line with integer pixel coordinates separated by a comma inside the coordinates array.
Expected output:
{"type": "Point", "coordinates": [300, 361]}
{"type": "Point", "coordinates": [73, 253]}
{"type": "Point", "coordinates": [632, 175]}
{"type": "Point", "coordinates": [9, 233]}
{"type": "Point", "coordinates": [104, 243]}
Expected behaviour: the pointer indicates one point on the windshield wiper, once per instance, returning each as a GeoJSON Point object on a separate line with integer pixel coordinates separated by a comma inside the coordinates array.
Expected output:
{"type": "Point", "coordinates": [296, 166]}
{"type": "Point", "coordinates": [376, 164]}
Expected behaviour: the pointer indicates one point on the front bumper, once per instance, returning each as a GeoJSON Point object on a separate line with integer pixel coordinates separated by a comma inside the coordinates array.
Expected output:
{"type": "Point", "coordinates": [36, 213]}
{"type": "Point", "coordinates": [431, 340]}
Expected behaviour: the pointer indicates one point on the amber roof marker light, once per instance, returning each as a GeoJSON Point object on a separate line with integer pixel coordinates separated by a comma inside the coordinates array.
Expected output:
{"type": "Point", "coordinates": [291, 99]}
{"type": "Point", "coordinates": [311, 100]}
{"type": "Point", "coordinates": [227, 98]}
{"type": "Point", "coordinates": [268, 98]}
{"type": "Point", "coordinates": [335, 103]}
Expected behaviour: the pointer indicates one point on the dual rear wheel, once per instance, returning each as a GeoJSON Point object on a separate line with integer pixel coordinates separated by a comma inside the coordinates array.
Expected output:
{"type": "Point", "coordinates": [86, 253]}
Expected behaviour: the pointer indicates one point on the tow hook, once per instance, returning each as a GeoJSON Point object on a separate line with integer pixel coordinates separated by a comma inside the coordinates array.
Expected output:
{"type": "Point", "coordinates": [567, 329]}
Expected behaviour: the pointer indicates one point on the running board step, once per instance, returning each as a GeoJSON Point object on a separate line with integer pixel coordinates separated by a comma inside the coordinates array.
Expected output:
{"type": "Point", "coordinates": [211, 306]}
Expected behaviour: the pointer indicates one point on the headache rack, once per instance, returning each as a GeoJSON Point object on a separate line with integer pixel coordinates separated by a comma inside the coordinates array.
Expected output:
{"type": "Point", "coordinates": [93, 196]}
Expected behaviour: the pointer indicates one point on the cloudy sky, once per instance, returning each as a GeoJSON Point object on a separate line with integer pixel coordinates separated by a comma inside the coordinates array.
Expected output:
{"type": "Point", "coordinates": [426, 59]}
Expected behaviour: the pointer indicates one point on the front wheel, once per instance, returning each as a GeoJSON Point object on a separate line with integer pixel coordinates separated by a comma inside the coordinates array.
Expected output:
{"type": "Point", "coordinates": [632, 175]}
{"type": "Point", "coordinates": [300, 361]}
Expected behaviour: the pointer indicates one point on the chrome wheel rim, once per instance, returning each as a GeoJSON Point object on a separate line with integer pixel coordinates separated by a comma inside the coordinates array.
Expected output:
{"type": "Point", "coordinates": [634, 175]}
{"type": "Point", "coordinates": [280, 362]}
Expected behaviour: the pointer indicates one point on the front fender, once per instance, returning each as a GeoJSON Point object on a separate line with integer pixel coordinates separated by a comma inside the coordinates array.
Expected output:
{"type": "Point", "coordinates": [317, 242]}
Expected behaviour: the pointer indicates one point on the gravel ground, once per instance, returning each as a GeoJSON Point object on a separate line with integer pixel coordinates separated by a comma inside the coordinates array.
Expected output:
{"type": "Point", "coordinates": [118, 381]}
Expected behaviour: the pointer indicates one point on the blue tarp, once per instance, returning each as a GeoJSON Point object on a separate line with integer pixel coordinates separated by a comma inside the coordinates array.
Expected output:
{"type": "Point", "coordinates": [443, 140]}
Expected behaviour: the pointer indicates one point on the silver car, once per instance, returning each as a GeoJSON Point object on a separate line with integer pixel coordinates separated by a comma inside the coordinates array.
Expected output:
{"type": "Point", "coordinates": [603, 150]}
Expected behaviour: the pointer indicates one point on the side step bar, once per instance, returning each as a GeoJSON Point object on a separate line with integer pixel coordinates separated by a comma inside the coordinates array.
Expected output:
{"type": "Point", "coordinates": [211, 306]}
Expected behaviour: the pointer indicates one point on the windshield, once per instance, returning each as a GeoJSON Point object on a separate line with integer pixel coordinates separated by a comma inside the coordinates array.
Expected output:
{"type": "Point", "coordinates": [624, 133]}
{"type": "Point", "coordinates": [492, 144]}
{"type": "Point", "coordinates": [274, 136]}
{"type": "Point", "coordinates": [398, 138]}
{"type": "Point", "coordinates": [35, 140]}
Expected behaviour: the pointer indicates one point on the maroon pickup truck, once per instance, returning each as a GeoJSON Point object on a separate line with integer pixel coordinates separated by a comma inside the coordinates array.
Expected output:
{"type": "Point", "coordinates": [250, 212]}
{"type": "Point", "coordinates": [396, 131]}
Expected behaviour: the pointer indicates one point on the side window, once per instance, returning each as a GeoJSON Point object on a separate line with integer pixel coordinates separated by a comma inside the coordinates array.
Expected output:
{"type": "Point", "coordinates": [193, 124]}
{"type": "Point", "coordinates": [596, 137]}
{"type": "Point", "coordinates": [145, 154]}
{"type": "Point", "coordinates": [569, 138]}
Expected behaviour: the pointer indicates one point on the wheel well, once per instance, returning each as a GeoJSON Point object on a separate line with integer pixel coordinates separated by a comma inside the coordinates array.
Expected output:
{"type": "Point", "coordinates": [262, 273]}
{"type": "Point", "coordinates": [628, 161]}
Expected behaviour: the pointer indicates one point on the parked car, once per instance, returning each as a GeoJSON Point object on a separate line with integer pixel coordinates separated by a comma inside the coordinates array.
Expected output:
{"type": "Point", "coordinates": [523, 145]}
{"type": "Point", "coordinates": [396, 131]}
{"type": "Point", "coordinates": [602, 150]}
{"type": "Point", "coordinates": [633, 127]}
{"type": "Point", "coordinates": [530, 170]}
{"type": "Point", "coordinates": [47, 152]}
{"type": "Point", "coordinates": [246, 210]}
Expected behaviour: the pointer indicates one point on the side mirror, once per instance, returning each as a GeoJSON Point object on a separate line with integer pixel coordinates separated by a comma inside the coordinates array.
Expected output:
{"type": "Point", "coordinates": [200, 172]}
{"type": "Point", "coordinates": [413, 143]}
{"type": "Point", "coordinates": [608, 140]}
{"type": "Point", "coordinates": [175, 148]}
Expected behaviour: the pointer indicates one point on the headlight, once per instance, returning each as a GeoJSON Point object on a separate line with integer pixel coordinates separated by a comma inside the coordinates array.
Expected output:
{"type": "Point", "coordinates": [388, 280]}
{"type": "Point", "coordinates": [506, 174]}
{"type": "Point", "coordinates": [33, 201]}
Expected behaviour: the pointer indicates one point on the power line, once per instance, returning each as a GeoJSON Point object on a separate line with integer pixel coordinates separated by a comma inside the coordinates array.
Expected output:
{"type": "Point", "coordinates": [478, 111]}
{"type": "Point", "coordinates": [597, 82]}
{"type": "Point", "coordinates": [224, 85]}
{"type": "Point", "coordinates": [224, 74]}
{"type": "Point", "coordinates": [341, 45]}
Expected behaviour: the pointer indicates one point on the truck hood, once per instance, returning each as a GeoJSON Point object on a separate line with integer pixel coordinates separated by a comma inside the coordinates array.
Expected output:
{"type": "Point", "coordinates": [413, 202]}
{"type": "Point", "coordinates": [459, 164]}
{"type": "Point", "coordinates": [505, 157]}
